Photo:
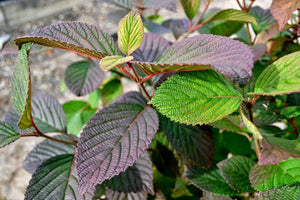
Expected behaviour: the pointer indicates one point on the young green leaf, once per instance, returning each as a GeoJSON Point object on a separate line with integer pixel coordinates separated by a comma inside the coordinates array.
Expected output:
{"type": "Point", "coordinates": [196, 97]}
{"type": "Point", "coordinates": [21, 87]}
{"type": "Point", "coordinates": [275, 175]}
{"type": "Point", "coordinates": [231, 123]}
{"type": "Point", "coordinates": [281, 77]}
{"type": "Point", "coordinates": [94, 98]}
{"type": "Point", "coordinates": [109, 62]}
{"type": "Point", "coordinates": [285, 192]}
{"type": "Point", "coordinates": [263, 17]}
{"type": "Point", "coordinates": [114, 138]}
{"type": "Point", "coordinates": [7, 134]}
{"type": "Point", "coordinates": [227, 28]}
{"type": "Point", "coordinates": [110, 91]}
{"type": "Point", "coordinates": [251, 127]}
{"type": "Point", "coordinates": [291, 111]}
{"type": "Point", "coordinates": [83, 77]}
{"type": "Point", "coordinates": [190, 7]}
{"type": "Point", "coordinates": [130, 33]}
{"type": "Point", "coordinates": [236, 172]}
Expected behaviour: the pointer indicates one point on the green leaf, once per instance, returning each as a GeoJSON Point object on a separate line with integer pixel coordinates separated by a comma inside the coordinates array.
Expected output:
{"type": "Point", "coordinates": [291, 111]}
{"type": "Point", "coordinates": [109, 62]}
{"type": "Point", "coordinates": [251, 127]}
{"type": "Point", "coordinates": [231, 123]}
{"type": "Point", "coordinates": [275, 175]}
{"type": "Point", "coordinates": [211, 181]}
{"type": "Point", "coordinates": [235, 171]}
{"type": "Point", "coordinates": [190, 7]}
{"type": "Point", "coordinates": [130, 33]}
{"type": "Point", "coordinates": [94, 98]}
{"type": "Point", "coordinates": [7, 134]}
{"type": "Point", "coordinates": [281, 77]}
{"type": "Point", "coordinates": [286, 192]}
{"type": "Point", "coordinates": [263, 17]}
{"type": "Point", "coordinates": [21, 87]}
{"type": "Point", "coordinates": [232, 15]}
{"type": "Point", "coordinates": [227, 28]}
{"type": "Point", "coordinates": [198, 97]}
{"type": "Point", "coordinates": [110, 91]}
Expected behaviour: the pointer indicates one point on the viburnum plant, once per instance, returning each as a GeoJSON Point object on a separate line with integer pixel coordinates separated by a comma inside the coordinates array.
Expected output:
{"type": "Point", "coordinates": [202, 125]}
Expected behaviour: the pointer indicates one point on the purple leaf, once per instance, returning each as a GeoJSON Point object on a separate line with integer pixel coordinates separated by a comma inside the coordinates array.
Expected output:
{"type": "Point", "coordinates": [83, 77]}
{"type": "Point", "coordinates": [179, 26]}
{"type": "Point", "coordinates": [77, 37]}
{"type": "Point", "coordinates": [155, 28]}
{"type": "Point", "coordinates": [167, 4]}
{"type": "Point", "coordinates": [111, 194]}
{"type": "Point", "coordinates": [114, 138]}
{"type": "Point", "coordinates": [259, 50]}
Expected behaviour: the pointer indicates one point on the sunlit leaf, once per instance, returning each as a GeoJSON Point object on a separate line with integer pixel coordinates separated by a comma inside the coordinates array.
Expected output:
{"type": "Point", "coordinates": [94, 98]}
{"type": "Point", "coordinates": [7, 134]}
{"type": "Point", "coordinates": [110, 91]}
{"type": "Point", "coordinates": [285, 192]}
{"type": "Point", "coordinates": [190, 7]}
{"type": "Point", "coordinates": [109, 62]}
{"type": "Point", "coordinates": [291, 111]}
{"type": "Point", "coordinates": [251, 127]}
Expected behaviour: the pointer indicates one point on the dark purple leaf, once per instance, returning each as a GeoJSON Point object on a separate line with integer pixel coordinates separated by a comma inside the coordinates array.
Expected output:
{"type": "Point", "coordinates": [111, 194]}
{"type": "Point", "coordinates": [167, 4]}
{"type": "Point", "coordinates": [77, 37]}
{"type": "Point", "coordinates": [179, 26]}
{"type": "Point", "coordinates": [114, 138]}
{"type": "Point", "coordinates": [83, 77]}
{"type": "Point", "coordinates": [155, 28]}
{"type": "Point", "coordinates": [152, 47]}
{"type": "Point", "coordinates": [285, 192]}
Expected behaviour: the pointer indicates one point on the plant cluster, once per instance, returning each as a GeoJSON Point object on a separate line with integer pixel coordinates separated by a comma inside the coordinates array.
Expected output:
{"type": "Point", "coordinates": [203, 125]}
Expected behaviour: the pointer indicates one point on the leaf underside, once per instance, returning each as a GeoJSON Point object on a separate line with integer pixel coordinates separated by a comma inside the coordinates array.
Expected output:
{"type": "Point", "coordinates": [7, 134]}
{"type": "Point", "coordinates": [109, 62]}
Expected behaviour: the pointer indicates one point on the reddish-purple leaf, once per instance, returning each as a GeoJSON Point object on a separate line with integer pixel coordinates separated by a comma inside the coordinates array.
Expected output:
{"type": "Point", "coordinates": [111, 194]}
{"type": "Point", "coordinates": [179, 26]}
{"type": "Point", "coordinates": [259, 50]}
{"type": "Point", "coordinates": [77, 37]}
{"type": "Point", "coordinates": [114, 138]}
{"type": "Point", "coordinates": [269, 33]}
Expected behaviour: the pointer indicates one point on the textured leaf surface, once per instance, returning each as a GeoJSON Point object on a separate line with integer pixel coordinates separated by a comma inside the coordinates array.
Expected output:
{"type": "Point", "coordinates": [291, 111]}
{"type": "Point", "coordinates": [263, 17]}
{"type": "Point", "coordinates": [109, 62]}
{"type": "Point", "coordinates": [21, 87]}
{"type": "Point", "coordinates": [283, 9]}
{"type": "Point", "coordinates": [195, 143]}
{"type": "Point", "coordinates": [77, 37]}
{"type": "Point", "coordinates": [110, 91]}
{"type": "Point", "coordinates": [281, 77]}
{"type": "Point", "coordinates": [83, 77]}
{"type": "Point", "coordinates": [212, 196]}
{"type": "Point", "coordinates": [276, 149]}
{"type": "Point", "coordinates": [190, 7]}
{"type": "Point", "coordinates": [48, 114]}
{"type": "Point", "coordinates": [137, 178]}
{"type": "Point", "coordinates": [114, 138]}
{"type": "Point", "coordinates": [46, 150]}
{"type": "Point", "coordinates": [236, 172]}
{"type": "Point", "coordinates": [286, 192]}
{"type": "Point", "coordinates": [7, 134]}
{"type": "Point", "coordinates": [275, 175]}
{"type": "Point", "coordinates": [196, 97]}
{"type": "Point", "coordinates": [111, 194]}
{"type": "Point", "coordinates": [209, 181]}
{"type": "Point", "coordinates": [152, 47]}
{"type": "Point", "coordinates": [130, 33]}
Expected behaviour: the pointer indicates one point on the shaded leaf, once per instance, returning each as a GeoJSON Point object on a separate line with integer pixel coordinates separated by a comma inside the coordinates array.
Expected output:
{"type": "Point", "coordinates": [77, 37]}
{"type": "Point", "coordinates": [275, 175]}
{"type": "Point", "coordinates": [231, 123]}
{"type": "Point", "coordinates": [114, 138]}
{"type": "Point", "coordinates": [190, 7]}
{"type": "Point", "coordinates": [83, 77]}
{"type": "Point", "coordinates": [212, 196]}
{"type": "Point", "coordinates": [291, 111]}
{"type": "Point", "coordinates": [167, 4]}
{"type": "Point", "coordinates": [226, 28]}
{"type": "Point", "coordinates": [293, 99]}
{"type": "Point", "coordinates": [195, 97]}
{"type": "Point", "coordinates": [268, 33]}
{"type": "Point", "coordinates": [110, 91]}
{"type": "Point", "coordinates": [285, 192]}
{"type": "Point", "coordinates": [264, 113]}
{"type": "Point", "coordinates": [111, 194]}
{"type": "Point", "coordinates": [7, 134]}
{"type": "Point", "coordinates": [12, 118]}
{"type": "Point", "coordinates": [235, 171]}
{"type": "Point", "coordinates": [155, 27]}
{"type": "Point", "coordinates": [179, 26]}
{"type": "Point", "coordinates": [130, 33]}
{"type": "Point", "coordinates": [109, 62]}
{"type": "Point", "coordinates": [46, 150]}
{"type": "Point", "coordinates": [259, 50]}
{"type": "Point", "coordinates": [263, 17]}
{"type": "Point", "coordinates": [122, 3]}
{"type": "Point", "coordinates": [21, 87]}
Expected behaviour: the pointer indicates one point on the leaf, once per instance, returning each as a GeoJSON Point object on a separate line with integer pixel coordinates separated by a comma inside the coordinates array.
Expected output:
{"type": "Point", "coordinates": [48, 114]}
{"type": "Point", "coordinates": [226, 28]}
{"type": "Point", "coordinates": [269, 33]}
{"type": "Point", "coordinates": [111, 194]}
{"type": "Point", "coordinates": [281, 77]}
{"type": "Point", "coordinates": [7, 134]}
{"type": "Point", "coordinates": [212, 196]}
{"type": "Point", "coordinates": [110, 91]}
{"type": "Point", "coordinates": [211, 181]}
{"type": "Point", "coordinates": [123, 3]}
{"type": "Point", "coordinates": [285, 192]}
{"type": "Point", "coordinates": [12, 119]}
{"type": "Point", "coordinates": [94, 98]}
{"type": "Point", "coordinates": [232, 123]}
{"type": "Point", "coordinates": [114, 138]}
{"type": "Point", "coordinates": [291, 111]}
{"type": "Point", "coordinates": [259, 50]}
{"type": "Point", "coordinates": [232, 15]}
{"type": "Point", "coordinates": [276, 149]}
{"type": "Point", "coordinates": [282, 10]}
{"type": "Point", "coordinates": [167, 4]}
{"type": "Point", "coordinates": [263, 17]}
{"type": "Point", "coordinates": [251, 127]}
{"type": "Point", "coordinates": [275, 175]}
{"type": "Point", "coordinates": [130, 33]}
{"type": "Point", "coordinates": [264, 113]}
{"type": "Point", "coordinates": [179, 26]}
{"type": "Point", "coordinates": [52, 180]}
{"type": "Point", "coordinates": [46, 150]}
{"type": "Point", "coordinates": [195, 143]}
{"type": "Point", "coordinates": [83, 77]}
{"type": "Point", "coordinates": [21, 87]}
{"type": "Point", "coordinates": [235, 171]}
{"type": "Point", "coordinates": [155, 27]}
{"type": "Point", "coordinates": [196, 97]}
{"type": "Point", "coordinates": [152, 47]}
{"type": "Point", "coordinates": [190, 7]}
{"type": "Point", "coordinates": [109, 62]}
{"type": "Point", "coordinates": [77, 37]}
{"type": "Point", "coordinates": [137, 178]}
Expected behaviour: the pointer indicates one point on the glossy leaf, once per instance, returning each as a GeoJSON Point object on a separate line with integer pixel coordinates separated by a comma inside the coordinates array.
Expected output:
{"type": "Point", "coordinates": [130, 33]}
{"type": "Point", "coordinates": [281, 77]}
{"type": "Point", "coordinates": [167, 4]}
{"type": "Point", "coordinates": [77, 37]}
{"type": "Point", "coordinates": [114, 138]}
{"type": "Point", "coordinates": [111, 194]}
{"type": "Point", "coordinates": [284, 192]}
{"type": "Point", "coordinates": [190, 7]}
{"type": "Point", "coordinates": [196, 97]}
{"type": "Point", "coordinates": [291, 111]}
{"type": "Point", "coordinates": [109, 62]}
{"type": "Point", "coordinates": [263, 17]}
{"type": "Point", "coordinates": [235, 171]}
{"type": "Point", "coordinates": [275, 175]}
{"type": "Point", "coordinates": [83, 77]}
{"type": "Point", "coordinates": [7, 134]}
{"type": "Point", "coordinates": [110, 91]}
{"type": "Point", "coordinates": [46, 150]}
{"type": "Point", "coordinates": [21, 87]}
{"type": "Point", "coordinates": [211, 181]}
{"type": "Point", "coordinates": [195, 143]}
